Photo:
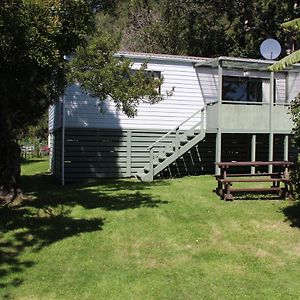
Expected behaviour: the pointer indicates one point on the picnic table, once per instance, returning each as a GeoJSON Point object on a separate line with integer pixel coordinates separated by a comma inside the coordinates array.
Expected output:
{"type": "Point", "coordinates": [226, 179]}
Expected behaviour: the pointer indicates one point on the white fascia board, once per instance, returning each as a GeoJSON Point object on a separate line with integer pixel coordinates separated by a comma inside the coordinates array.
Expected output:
{"type": "Point", "coordinates": [161, 57]}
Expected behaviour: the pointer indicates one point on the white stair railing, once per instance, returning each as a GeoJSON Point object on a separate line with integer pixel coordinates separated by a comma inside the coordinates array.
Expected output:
{"type": "Point", "coordinates": [178, 137]}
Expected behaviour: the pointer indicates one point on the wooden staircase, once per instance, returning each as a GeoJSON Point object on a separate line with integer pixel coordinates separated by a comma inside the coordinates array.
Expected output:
{"type": "Point", "coordinates": [171, 146]}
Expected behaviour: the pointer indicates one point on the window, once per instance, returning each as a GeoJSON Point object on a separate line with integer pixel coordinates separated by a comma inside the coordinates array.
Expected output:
{"type": "Point", "coordinates": [152, 74]}
{"type": "Point", "coordinates": [242, 89]}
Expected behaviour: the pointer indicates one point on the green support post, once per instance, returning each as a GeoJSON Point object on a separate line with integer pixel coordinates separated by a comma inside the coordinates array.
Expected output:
{"type": "Point", "coordinates": [286, 148]}
{"type": "Point", "coordinates": [253, 151]}
{"type": "Point", "coordinates": [271, 134]}
{"type": "Point", "coordinates": [218, 156]}
{"type": "Point", "coordinates": [218, 151]}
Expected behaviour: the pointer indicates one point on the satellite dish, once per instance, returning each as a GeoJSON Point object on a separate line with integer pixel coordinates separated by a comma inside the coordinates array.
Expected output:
{"type": "Point", "coordinates": [270, 49]}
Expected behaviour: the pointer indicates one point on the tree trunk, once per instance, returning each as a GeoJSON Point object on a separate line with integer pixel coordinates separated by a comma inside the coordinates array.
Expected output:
{"type": "Point", "coordinates": [9, 157]}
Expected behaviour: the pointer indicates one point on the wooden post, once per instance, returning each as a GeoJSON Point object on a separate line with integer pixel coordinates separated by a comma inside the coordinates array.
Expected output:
{"type": "Point", "coordinates": [253, 152]}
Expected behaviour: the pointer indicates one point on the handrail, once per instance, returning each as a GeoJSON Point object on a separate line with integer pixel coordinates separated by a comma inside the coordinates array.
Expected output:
{"type": "Point", "coordinates": [244, 102]}
{"type": "Point", "coordinates": [176, 128]}
{"type": "Point", "coordinates": [254, 103]}
{"type": "Point", "coordinates": [281, 104]}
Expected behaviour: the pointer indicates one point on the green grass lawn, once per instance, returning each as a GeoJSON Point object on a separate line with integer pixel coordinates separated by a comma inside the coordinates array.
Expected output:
{"type": "Point", "coordinates": [123, 239]}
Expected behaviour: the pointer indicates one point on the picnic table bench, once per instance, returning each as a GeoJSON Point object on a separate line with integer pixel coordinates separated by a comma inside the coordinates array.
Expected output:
{"type": "Point", "coordinates": [281, 175]}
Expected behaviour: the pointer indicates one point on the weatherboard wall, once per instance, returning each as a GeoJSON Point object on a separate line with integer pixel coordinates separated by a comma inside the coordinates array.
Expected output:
{"type": "Point", "coordinates": [106, 153]}
{"type": "Point", "coordinates": [55, 116]}
{"type": "Point", "coordinates": [84, 111]}
{"type": "Point", "coordinates": [293, 86]}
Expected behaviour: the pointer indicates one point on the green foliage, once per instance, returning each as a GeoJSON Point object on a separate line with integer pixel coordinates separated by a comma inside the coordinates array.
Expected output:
{"type": "Point", "coordinates": [35, 36]}
{"type": "Point", "coordinates": [103, 75]}
{"type": "Point", "coordinates": [293, 25]}
{"type": "Point", "coordinates": [202, 28]}
{"type": "Point", "coordinates": [257, 21]}
{"type": "Point", "coordinates": [295, 104]}
{"type": "Point", "coordinates": [295, 113]}
{"type": "Point", "coordinates": [38, 131]}
{"type": "Point", "coordinates": [286, 61]}
{"type": "Point", "coordinates": [36, 135]}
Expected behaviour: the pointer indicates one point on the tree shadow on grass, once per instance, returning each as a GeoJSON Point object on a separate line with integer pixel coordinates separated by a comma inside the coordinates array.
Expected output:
{"type": "Point", "coordinates": [292, 214]}
{"type": "Point", "coordinates": [104, 194]}
{"type": "Point", "coordinates": [23, 228]}
{"type": "Point", "coordinates": [44, 217]}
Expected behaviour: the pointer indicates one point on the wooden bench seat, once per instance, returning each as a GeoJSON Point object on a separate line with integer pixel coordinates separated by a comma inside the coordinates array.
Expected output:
{"type": "Point", "coordinates": [258, 190]}
{"type": "Point", "coordinates": [248, 175]}
{"type": "Point", "coordinates": [253, 175]}
{"type": "Point", "coordinates": [229, 180]}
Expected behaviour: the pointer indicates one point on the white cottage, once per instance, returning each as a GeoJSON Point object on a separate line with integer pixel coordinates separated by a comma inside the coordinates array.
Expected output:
{"type": "Point", "coordinates": [222, 109]}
